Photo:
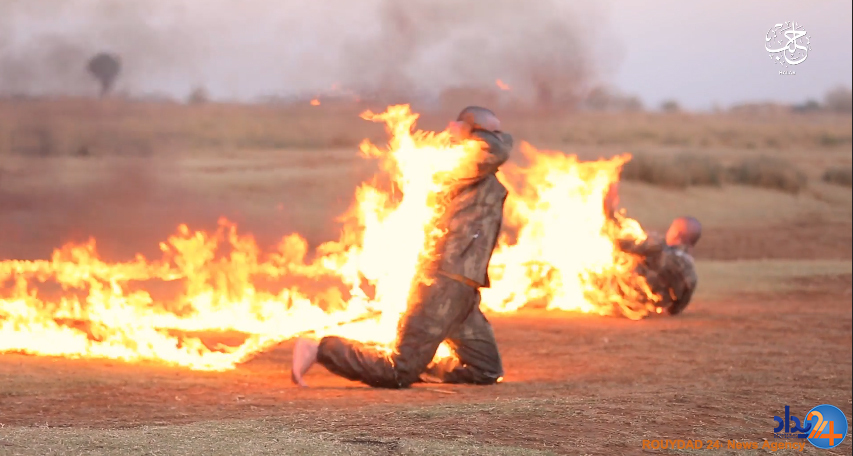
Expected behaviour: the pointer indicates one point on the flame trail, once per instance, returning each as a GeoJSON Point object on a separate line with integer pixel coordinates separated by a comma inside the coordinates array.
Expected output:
{"type": "Point", "coordinates": [77, 305]}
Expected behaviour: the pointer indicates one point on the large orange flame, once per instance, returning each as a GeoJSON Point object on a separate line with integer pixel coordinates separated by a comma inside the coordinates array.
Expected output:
{"type": "Point", "coordinates": [562, 255]}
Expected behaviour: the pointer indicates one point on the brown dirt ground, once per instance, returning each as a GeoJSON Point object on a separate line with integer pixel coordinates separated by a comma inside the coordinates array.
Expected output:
{"type": "Point", "coordinates": [796, 240]}
{"type": "Point", "coordinates": [574, 384]}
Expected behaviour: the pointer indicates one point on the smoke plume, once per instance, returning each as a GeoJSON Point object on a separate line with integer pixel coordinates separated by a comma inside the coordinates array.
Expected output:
{"type": "Point", "coordinates": [242, 50]}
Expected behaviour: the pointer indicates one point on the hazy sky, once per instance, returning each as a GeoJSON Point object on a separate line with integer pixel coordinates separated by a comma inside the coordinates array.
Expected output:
{"type": "Point", "coordinates": [698, 52]}
{"type": "Point", "coordinates": [701, 52]}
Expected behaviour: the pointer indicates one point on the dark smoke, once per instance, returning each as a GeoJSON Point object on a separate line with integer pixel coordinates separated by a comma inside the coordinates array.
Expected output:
{"type": "Point", "coordinates": [545, 50]}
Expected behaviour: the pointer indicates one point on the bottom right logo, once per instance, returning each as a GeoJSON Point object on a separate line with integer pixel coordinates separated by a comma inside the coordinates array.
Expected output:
{"type": "Point", "coordinates": [828, 426]}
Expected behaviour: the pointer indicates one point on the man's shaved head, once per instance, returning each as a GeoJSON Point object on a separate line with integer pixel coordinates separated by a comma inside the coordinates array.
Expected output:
{"type": "Point", "coordinates": [684, 231]}
{"type": "Point", "coordinates": [480, 117]}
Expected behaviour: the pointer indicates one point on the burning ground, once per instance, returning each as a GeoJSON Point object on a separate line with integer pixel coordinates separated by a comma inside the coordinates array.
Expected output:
{"type": "Point", "coordinates": [558, 253]}
{"type": "Point", "coordinates": [575, 382]}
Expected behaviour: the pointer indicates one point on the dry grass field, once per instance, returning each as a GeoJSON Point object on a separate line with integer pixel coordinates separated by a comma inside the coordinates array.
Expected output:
{"type": "Point", "coordinates": [770, 324]}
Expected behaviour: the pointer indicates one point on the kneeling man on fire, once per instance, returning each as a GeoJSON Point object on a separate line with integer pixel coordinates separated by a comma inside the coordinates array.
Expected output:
{"type": "Point", "coordinates": [446, 306]}
{"type": "Point", "coordinates": [666, 261]}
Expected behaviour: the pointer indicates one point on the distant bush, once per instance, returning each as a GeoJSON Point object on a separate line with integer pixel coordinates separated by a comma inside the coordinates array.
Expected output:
{"type": "Point", "coordinates": [839, 100]}
{"type": "Point", "coordinates": [839, 176]}
{"type": "Point", "coordinates": [653, 170]}
{"type": "Point", "coordinates": [37, 140]}
{"type": "Point", "coordinates": [82, 151]}
{"type": "Point", "coordinates": [700, 169]}
{"type": "Point", "coordinates": [609, 99]}
{"type": "Point", "coordinates": [807, 106]}
{"type": "Point", "coordinates": [768, 172]}
{"type": "Point", "coordinates": [829, 140]}
{"type": "Point", "coordinates": [670, 106]}
{"type": "Point", "coordinates": [688, 169]}
{"type": "Point", "coordinates": [198, 96]}
{"type": "Point", "coordinates": [680, 171]}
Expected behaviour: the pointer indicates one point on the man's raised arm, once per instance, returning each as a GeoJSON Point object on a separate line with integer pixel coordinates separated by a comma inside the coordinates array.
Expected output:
{"type": "Point", "coordinates": [652, 245]}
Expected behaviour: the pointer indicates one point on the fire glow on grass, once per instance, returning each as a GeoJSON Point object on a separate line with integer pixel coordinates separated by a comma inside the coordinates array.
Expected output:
{"type": "Point", "coordinates": [561, 255]}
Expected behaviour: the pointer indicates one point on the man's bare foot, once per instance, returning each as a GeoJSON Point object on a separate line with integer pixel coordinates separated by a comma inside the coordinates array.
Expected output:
{"type": "Point", "coordinates": [304, 356]}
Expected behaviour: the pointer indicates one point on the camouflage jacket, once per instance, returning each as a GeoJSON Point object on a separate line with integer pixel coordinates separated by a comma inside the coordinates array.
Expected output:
{"type": "Point", "coordinates": [669, 271]}
{"type": "Point", "coordinates": [473, 214]}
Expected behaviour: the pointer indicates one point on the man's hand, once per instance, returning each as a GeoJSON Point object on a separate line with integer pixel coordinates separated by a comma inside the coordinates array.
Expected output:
{"type": "Point", "coordinates": [652, 245]}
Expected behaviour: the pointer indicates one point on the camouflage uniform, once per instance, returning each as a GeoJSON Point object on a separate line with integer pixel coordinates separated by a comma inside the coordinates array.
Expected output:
{"type": "Point", "coordinates": [449, 308]}
{"type": "Point", "coordinates": [669, 271]}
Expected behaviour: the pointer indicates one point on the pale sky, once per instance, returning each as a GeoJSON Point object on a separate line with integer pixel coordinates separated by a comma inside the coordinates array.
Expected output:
{"type": "Point", "coordinates": [702, 52]}
{"type": "Point", "coordinates": [699, 52]}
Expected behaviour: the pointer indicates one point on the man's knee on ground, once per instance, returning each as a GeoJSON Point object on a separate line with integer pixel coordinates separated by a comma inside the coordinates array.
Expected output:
{"type": "Point", "coordinates": [406, 373]}
{"type": "Point", "coordinates": [481, 376]}
{"type": "Point", "coordinates": [489, 378]}
{"type": "Point", "coordinates": [451, 370]}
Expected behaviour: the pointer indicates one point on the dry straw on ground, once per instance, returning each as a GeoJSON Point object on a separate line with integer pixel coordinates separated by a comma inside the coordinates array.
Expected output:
{"type": "Point", "coordinates": [65, 126]}
{"type": "Point", "coordinates": [680, 171]}
{"type": "Point", "coordinates": [689, 169]}
{"type": "Point", "coordinates": [839, 176]}
{"type": "Point", "coordinates": [768, 172]}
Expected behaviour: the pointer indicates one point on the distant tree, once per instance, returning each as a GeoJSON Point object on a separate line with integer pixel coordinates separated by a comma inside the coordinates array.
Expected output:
{"type": "Point", "coordinates": [105, 68]}
{"type": "Point", "coordinates": [839, 100]}
{"type": "Point", "coordinates": [670, 106]}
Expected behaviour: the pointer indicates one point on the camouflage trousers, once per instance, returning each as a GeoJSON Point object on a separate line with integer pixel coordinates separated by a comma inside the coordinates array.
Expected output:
{"type": "Point", "coordinates": [445, 311]}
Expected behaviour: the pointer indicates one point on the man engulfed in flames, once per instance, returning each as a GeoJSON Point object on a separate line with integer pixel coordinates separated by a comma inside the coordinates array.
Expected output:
{"type": "Point", "coordinates": [444, 301]}
{"type": "Point", "coordinates": [444, 304]}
